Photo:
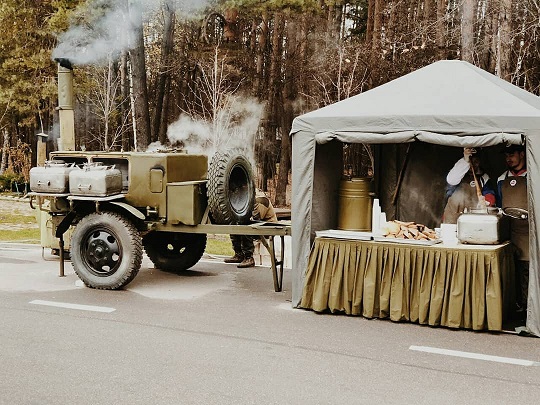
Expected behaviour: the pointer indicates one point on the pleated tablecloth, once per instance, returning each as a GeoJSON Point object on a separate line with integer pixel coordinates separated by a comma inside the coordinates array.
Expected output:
{"type": "Point", "coordinates": [462, 286]}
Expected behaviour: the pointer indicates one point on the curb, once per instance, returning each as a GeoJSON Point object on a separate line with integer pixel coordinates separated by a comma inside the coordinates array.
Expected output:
{"type": "Point", "coordinates": [23, 198]}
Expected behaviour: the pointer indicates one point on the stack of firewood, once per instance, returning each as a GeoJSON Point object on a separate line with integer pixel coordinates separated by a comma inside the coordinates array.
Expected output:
{"type": "Point", "coordinates": [407, 230]}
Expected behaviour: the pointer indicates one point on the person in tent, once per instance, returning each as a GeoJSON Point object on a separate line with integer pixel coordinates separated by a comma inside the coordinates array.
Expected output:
{"type": "Point", "coordinates": [461, 189]}
{"type": "Point", "coordinates": [512, 193]}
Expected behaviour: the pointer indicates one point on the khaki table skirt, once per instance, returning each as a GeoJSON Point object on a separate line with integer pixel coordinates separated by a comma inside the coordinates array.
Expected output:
{"type": "Point", "coordinates": [461, 286]}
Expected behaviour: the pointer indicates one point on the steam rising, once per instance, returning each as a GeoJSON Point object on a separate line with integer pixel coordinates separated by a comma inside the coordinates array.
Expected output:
{"type": "Point", "coordinates": [234, 127]}
{"type": "Point", "coordinates": [113, 31]}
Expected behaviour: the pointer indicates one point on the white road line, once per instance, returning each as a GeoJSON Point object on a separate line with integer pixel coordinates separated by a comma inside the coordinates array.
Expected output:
{"type": "Point", "coordinates": [73, 306]}
{"type": "Point", "coordinates": [476, 356]}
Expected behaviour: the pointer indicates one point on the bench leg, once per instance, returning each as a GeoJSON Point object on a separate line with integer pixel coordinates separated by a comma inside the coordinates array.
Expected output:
{"type": "Point", "coordinates": [276, 274]}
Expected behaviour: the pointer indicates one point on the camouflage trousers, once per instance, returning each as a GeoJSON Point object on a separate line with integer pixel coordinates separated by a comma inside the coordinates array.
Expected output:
{"type": "Point", "coordinates": [243, 245]}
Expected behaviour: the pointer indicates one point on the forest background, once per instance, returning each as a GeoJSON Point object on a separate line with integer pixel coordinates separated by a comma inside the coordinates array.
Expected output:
{"type": "Point", "coordinates": [204, 75]}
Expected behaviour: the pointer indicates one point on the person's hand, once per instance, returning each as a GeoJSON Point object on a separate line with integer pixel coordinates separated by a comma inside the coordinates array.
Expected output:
{"type": "Point", "coordinates": [482, 203]}
{"type": "Point", "coordinates": [467, 153]}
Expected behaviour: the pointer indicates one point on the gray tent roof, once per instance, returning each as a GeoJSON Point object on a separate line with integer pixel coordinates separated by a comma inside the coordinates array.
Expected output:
{"type": "Point", "coordinates": [444, 97]}
{"type": "Point", "coordinates": [448, 103]}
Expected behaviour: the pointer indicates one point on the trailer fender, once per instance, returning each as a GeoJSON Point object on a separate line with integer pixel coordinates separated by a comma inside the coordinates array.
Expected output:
{"type": "Point", "coordinates": [64, 225]}
{"type": "Point", "coordinates": [132, 210]}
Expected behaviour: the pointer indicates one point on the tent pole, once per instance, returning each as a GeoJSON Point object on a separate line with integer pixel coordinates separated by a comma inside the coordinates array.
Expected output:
{"type": "Point", "coordinates": [401, 173]}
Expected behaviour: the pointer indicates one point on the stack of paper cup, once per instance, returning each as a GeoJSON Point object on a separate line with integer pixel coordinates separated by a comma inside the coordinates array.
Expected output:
{"type": "Point", "coordinates": [382, 221]}
{"type": "Point", "coordinates": [376, 217]}
{"type": "Point", "coordinates": [449, 234]}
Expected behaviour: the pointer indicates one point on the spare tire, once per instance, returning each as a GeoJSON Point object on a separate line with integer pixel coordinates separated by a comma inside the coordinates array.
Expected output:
{"type": "Point", "coordinates": [231, 189]}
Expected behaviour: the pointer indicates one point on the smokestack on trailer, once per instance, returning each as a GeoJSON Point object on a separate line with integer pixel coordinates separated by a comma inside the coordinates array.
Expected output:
{"type": "Point", "coordinates": [41, 149]}
{"type": "Point", "coordinates": [65, 105]}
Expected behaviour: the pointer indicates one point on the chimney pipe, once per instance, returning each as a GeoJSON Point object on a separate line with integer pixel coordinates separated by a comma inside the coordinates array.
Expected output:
{"type": "Point", "coordinates": [65, 105]}
{"type": "Point", "coordinates": [41, 149]}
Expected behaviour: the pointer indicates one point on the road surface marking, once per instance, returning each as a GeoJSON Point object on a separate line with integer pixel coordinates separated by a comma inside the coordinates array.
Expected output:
{"type": "Point", "coordinates": [73, 306]}
{"type": "Point", "coordinates": [476, 356]}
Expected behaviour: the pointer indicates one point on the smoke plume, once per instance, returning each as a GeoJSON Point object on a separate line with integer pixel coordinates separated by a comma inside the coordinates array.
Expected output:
{"type": "Point", "coordinates": [233, 127]}
{"type": "Point", "coordinates": [113, 29]}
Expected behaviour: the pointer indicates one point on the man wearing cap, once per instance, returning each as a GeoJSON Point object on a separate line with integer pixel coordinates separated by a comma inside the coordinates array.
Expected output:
{"type": "Point", "coordinates": [512, 192]}
{"type": "Point", "coordinates": [461, 189]}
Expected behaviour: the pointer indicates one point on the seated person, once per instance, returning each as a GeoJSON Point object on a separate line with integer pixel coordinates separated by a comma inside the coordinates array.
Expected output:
{"type": "Point", "coordinates": [243, 245]}
{"type": "Point", "coordinates": [461, 189]}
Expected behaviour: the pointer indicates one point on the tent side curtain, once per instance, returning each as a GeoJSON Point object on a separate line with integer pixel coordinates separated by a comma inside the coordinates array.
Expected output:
{"type": "Point", "coordinates": [473, 141]}
{"type": "Point", "coordinates": [533, 178]}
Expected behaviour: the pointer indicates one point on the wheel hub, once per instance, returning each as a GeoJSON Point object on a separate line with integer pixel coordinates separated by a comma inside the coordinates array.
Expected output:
{"type": "Point", "coordinates": [102, 253]}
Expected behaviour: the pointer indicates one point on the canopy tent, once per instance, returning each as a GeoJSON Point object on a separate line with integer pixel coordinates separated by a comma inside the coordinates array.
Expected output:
{"type": "Point", "coordinates": [450, 103]}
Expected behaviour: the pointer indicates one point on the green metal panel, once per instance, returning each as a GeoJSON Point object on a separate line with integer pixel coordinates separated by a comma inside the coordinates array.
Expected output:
{"type": "Point", "coordinates": [141, 173]}
{"type": "Point", "coordinates": [186, 202]}
{"type": "Point", "coordinates": [184, 167]}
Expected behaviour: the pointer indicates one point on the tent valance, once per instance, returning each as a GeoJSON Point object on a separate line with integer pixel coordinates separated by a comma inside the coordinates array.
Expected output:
{"type": "Point", "coordinates": [471, 141]}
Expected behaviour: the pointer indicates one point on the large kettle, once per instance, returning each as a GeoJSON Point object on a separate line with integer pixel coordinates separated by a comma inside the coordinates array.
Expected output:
{"type": "Point", "coordinates": [487, 226]}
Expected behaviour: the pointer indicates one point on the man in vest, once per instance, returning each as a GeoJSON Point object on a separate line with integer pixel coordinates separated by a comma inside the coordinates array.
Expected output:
{"type": "Point", "coordinates": [243, 245]}
{"type": "Point", "coordinates": [512, 193]}
{"type": "Point", "coordinates": [461, 190]}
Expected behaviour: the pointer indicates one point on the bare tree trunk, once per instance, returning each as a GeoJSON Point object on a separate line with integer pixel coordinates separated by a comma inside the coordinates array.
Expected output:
{"type": "Point", "coordinates": [338, 21]}
{"type": "Point", "coordinates": [85, 135]}
{"type": "Point", "coordinates": [162, 136]}
{"type": "Point", "coordinates": [274, 63]}
{"type": "Point", "coordinates": [274, 86]}
{"type": "Point", "coordinates": [5, 151]}
{"type": "Point", "coordinates": [140, 91]}
{"type": "Point", "coordinates": [376, 45]}
{"type": "Point", "coordinates": [333, 21]}
{"type": "Point", "coordinates": [429, 10]}
{"type": "Point", "coordinates": [289, 95]}
{"type": "Point", "coordinates": [180, 78]}
{"type": "Point", "coordinates": [124, 107]}
{"type": "Point", "coordinates": [107, 107]}
{"type": "Point", "coordinates": [429, 14]}
{"type": "Point", "coordinates": [485, 35]}
{"type": "Point", "coordinates": [505, 45]}
{"type": "Point", "coordinates": [165, 65]}
{"type": "Point", "coordinates": [230, 30]}
{"type": "Point", "coordinates": [377, 27]}
{"type": "Point", "coordinates": [261, 52]}
{"type": "Point", "coordinates": [441, 29]}
{"type": "Point", "coordinates": [329, 21]}
{"type": "Point", "coordinates": [492, 34]}
{"type": "Point", "coordinates": [253, 36]}
{"type": "Point", "coordinates": [369, 24]}
{"type": "Point", "coordinates": [302, 50]}
{"type": "Point", "coordinates": [394, 24]}
{"type": "Point", "coordinates": [467, 30]}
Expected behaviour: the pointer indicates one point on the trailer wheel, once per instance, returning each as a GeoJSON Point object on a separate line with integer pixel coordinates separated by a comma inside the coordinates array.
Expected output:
{"type": "Point", "coordinates": [231, 189]}
{"type": "Point", "coordinates": [106, 250]}
{"type": "Point", "coordinates": [174, 251]}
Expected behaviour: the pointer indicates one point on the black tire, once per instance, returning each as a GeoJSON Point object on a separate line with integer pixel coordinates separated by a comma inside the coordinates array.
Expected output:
{"type": "Point", "coordinates": [106, 250]}
{"type": "Point", "coordinates": [173, 251]}
{"type": "Point", "coordinates": [231, 189]}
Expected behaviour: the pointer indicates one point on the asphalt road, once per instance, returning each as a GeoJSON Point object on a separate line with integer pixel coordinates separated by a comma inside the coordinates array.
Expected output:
{"type": "Point", "coordinates": [221, 335]}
